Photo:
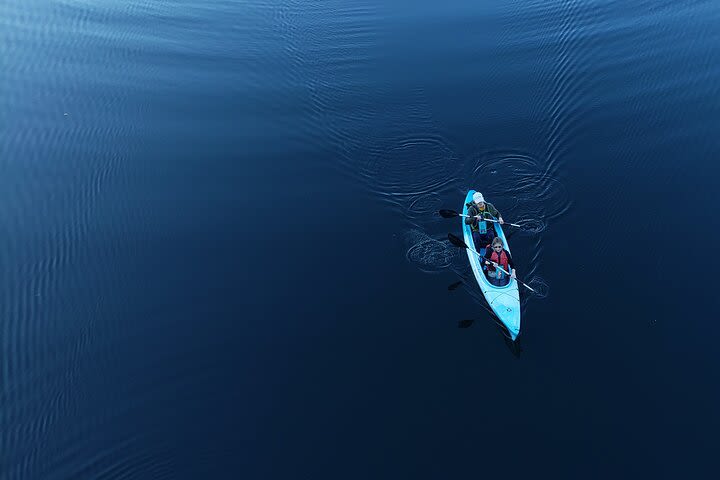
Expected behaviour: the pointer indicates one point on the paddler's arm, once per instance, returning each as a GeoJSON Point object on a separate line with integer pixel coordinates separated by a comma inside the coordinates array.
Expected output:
{"type": "Point", "coordinates": [497, 214]}
{"type": "Point", "coordinates": [494, 212]}
{"type": "Point", "coordinates": [471, 220]}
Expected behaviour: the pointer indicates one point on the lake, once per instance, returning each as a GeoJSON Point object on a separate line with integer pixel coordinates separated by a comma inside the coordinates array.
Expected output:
{"type": "Point", "coordinates": [222, 255]}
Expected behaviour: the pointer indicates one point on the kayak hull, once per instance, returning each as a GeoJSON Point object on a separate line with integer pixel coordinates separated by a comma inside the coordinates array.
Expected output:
{"type": "Point", "coordinates": [504, 301]}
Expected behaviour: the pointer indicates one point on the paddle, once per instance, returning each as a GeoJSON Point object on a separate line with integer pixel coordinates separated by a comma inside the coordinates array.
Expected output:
{"type": "Point", "coordinates": [459, 243]}
{"type": "Point", "coordinates": [452, 214]}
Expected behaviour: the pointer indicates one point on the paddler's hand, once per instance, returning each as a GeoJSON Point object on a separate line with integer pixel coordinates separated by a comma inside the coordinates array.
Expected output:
{"type": "Point", "coordinates": [501, 221]}
{"type": "Point", "coordinates": [512, 275]}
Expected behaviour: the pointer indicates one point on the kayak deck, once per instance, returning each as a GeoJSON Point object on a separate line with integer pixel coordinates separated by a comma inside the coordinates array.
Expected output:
{"type": "Point", "coordinates": [504, 301]}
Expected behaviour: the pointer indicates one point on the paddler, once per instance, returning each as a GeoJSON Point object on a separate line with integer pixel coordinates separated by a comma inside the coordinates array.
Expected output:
{"type": "Point", "coordinates": [496, 254]}
{"type": "Point", "coordinates": [483, 232]}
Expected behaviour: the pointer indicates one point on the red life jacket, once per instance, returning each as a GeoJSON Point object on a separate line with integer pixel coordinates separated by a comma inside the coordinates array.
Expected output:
{"type": "Point", "coordinates": [501, 259]}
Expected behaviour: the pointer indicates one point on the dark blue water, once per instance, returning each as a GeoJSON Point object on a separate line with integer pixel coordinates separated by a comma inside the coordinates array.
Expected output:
{"type": "Point", "coordinates": [221, 255]}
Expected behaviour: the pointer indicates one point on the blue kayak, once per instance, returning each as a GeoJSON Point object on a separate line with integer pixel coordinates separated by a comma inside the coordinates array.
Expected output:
{"type": "Point", "coordinates": [505, 300]}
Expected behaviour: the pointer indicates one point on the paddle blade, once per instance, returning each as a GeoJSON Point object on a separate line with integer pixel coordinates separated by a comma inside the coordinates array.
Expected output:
{"type": "Point", "coordinates": [454, 285]}
{"type": "Point", "coordinates": [449, 213]}
{"type": "Point", "coordinates": [456, 241]}
{"type": "Point", "coordinates": [465, 323]}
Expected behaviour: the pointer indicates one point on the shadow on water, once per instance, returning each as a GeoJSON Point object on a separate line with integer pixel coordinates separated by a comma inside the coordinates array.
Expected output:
{"type": "Point", "coordinates": [465, 323]}
{"type": "Point", "coordinates": [513, 346]}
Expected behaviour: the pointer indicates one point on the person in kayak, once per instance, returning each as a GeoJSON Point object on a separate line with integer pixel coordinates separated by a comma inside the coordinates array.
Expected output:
{"type": "Point", "coordinates": [496, 253]}
{"type": "Point", "coordinates": [482, 232]}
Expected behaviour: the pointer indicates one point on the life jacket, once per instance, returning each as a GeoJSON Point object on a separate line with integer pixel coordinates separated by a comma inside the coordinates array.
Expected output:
{"type": "Point", "coordinates": [501, 259]}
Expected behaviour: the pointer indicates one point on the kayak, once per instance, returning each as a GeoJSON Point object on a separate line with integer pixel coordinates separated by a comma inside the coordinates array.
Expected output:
{"type": "Point", "coordinates": [505, 300]}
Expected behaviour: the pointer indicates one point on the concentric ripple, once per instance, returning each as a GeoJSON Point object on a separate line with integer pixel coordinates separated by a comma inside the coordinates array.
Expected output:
{"type": "Point", "coordinates": [413, 167]}
{"type": "Point", "coordinates": [424, 205]}
{"type": "Point", "coordinates": [429, 254]}
{"type": "Point", "coordinates": [537, 197]}
{"type": "Point", "coordinates": [542, 289]}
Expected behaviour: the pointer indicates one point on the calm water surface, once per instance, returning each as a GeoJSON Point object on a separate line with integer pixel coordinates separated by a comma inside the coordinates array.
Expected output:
{"type": "Point", "coordinates": [221, 255]}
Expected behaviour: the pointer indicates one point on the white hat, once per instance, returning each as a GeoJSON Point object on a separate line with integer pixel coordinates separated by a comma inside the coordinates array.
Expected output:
{"type": "Point", "coordinates": [478, 197]}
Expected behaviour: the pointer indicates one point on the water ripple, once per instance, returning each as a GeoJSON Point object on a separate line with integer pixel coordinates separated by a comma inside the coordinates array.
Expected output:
{"type": "Point", "coordinates": [541, 287]}
{"type": "Point", "coordinates": [429, 254]}
{"type": "Point", "coordinates": [412, 167]}
{"type": "Point", "coordinates": [537, 197]}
